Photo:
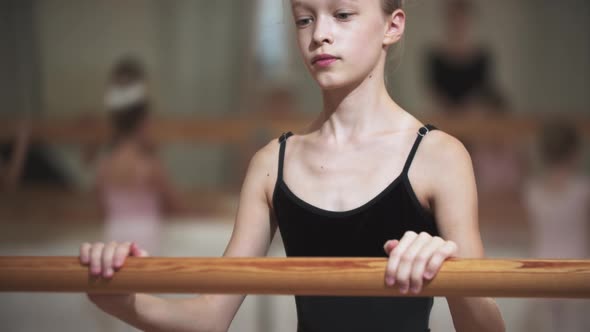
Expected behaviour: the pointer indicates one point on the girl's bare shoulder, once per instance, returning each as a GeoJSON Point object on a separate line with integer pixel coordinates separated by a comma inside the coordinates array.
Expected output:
{"type": "Point", "coordinates": [263, 167]}
{"type": "Point", "coordinates": [267, 156]}
{"type": "Point", "coordinates": [439, 146]}
{"type": "Point", "coordinates": [444, 158]}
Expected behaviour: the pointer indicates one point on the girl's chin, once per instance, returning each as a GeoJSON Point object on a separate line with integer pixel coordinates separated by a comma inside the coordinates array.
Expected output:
{"type": "Point", "coordinates": [331, 83]}
{"type": "Point", "coordinates": [338, 80]}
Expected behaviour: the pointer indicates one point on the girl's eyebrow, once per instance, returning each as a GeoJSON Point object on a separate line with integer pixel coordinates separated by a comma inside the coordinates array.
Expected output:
{"type": "Point", "coordinates": [352, 2]}
{"type": "Point", "coordinates": [304, 5]}
{"type": "Point", "coordinates": [299, 4]}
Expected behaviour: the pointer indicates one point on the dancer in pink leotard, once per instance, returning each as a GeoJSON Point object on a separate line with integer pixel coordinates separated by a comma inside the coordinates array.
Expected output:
{"type": "Point", "coordinates": [132, 186]}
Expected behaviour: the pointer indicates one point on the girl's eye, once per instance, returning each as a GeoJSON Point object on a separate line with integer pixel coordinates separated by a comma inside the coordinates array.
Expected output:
{"type": "Point", "coordinates": [302, 22]}
{"type": "Point", "coordinates": [343, 16]}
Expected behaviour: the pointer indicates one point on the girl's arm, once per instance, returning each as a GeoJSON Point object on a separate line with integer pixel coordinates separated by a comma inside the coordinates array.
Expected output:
{"type": "Point", "coordinates": [442, 169]}
{"type": "Point", "coordinates": [454, 199]}
{"type": "Point", "coordinates": [252, 234]}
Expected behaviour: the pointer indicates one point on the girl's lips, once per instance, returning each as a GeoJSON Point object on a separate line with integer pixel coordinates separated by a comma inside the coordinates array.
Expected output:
{"type": "Point", "coordinates": [325, 62]}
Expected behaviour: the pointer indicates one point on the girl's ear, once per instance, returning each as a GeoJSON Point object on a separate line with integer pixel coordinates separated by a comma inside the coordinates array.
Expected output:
{"type": "Point", "coordinates": [396, 24]}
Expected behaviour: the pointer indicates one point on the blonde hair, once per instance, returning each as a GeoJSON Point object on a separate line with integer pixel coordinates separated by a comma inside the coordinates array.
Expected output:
{"type": "Point", "coordinates": [389, 6]}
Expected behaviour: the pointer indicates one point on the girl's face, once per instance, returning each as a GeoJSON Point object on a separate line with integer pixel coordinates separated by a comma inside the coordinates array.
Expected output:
{"type": "Point", "coordinates": [343, 41]}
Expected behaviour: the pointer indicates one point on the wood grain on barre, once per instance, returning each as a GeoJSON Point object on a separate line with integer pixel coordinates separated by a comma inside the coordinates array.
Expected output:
{"type": "Point", "coordinates": [302, 276]}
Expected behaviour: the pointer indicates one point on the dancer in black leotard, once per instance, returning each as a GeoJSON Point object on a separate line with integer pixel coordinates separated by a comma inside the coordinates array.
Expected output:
{"type": "Point", "coordinates": [366, 179]}
{"type": "Point", "coordinates": [311, 231]}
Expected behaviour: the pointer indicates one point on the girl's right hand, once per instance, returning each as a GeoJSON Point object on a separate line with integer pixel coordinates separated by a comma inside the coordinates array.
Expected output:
{"type": "Point", "coordinates": [104, 260]}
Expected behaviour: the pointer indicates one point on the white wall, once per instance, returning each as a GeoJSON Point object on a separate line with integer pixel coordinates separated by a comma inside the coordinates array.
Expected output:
{"type": "Point", "coordinates": [197, 52]}
{"type": "Point", "coordinates": [192, 50]}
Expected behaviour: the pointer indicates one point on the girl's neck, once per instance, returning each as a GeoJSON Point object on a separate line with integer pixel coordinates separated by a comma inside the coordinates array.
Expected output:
{"type": "Point", "coordinates": [358, 110]}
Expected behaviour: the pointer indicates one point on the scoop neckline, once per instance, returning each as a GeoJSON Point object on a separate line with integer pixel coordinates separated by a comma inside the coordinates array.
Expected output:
{"type": "Point", "coordinates": [346, 213]}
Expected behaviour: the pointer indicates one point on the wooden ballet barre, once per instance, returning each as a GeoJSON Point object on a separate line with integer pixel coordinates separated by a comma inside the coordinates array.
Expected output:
{"type": "Point", "coordinates": [235, 130]}
{"type": "Point", "coordinates": [299, 276]}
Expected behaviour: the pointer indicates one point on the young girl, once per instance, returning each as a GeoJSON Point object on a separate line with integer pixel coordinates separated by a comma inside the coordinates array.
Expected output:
{"type": "Point", "coordinates": [133, 189]}
{"type": "Point", "coordinates": [367, 179]}
{"type": "Point", "coordinates": [557, 200]}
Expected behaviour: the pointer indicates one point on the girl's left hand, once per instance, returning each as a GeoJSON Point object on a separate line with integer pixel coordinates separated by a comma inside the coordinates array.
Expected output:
{"type": "Point", "coordinates": [415, 258]}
